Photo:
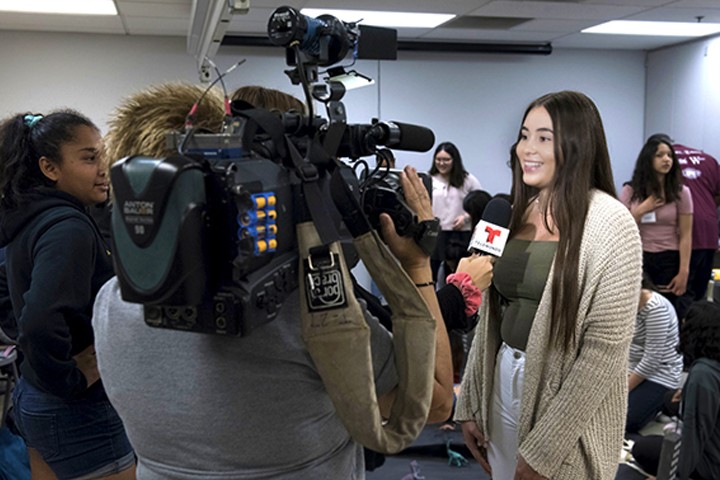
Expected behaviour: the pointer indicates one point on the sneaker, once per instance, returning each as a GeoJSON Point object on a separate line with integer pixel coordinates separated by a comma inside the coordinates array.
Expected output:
{"type": "Point", "coordinates": [671, 426]}
{"type": "Point", "coordinates": [662, 418]}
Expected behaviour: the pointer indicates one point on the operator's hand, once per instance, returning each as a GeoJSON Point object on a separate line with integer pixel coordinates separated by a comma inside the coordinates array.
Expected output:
{"type": "Point", "coordinates": [404, 248]}
{"type": "Point", "coordinates": [408, 252]}
{"type": "Point", "coordinates": [480, 269]}
{"type": "Point", "coordinates": [87, 363]}
{"type": "Point", "coordinates": [416, 195]}
{"type": "Point", "coordinates": [477, 443]}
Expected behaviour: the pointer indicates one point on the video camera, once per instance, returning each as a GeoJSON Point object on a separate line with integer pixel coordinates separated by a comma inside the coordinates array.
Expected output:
{"type": "Point", "coordinates": [206, 239]}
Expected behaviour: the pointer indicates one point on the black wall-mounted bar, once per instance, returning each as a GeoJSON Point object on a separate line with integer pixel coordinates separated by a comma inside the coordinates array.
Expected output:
{"type": "Point", "coordinates": [511, 48]}
{"type": "Point", "coordinates": [505, 48]}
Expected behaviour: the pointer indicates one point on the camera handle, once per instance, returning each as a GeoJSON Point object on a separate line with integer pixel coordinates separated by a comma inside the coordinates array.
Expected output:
{"type": "Point", "coordinates": [330, 94]}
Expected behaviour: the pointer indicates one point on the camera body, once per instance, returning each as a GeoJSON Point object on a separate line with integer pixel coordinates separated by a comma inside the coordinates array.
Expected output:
{"type": "Point", "coordinates": [206, 246]}
{"type": "Point", "coordinates": [384, 194]}
{"type": "Point", "coordinates": [206, 239]}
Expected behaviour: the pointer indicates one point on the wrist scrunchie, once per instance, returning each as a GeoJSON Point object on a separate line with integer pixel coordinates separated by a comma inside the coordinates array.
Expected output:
{"type": "Point", "coordinates": [471, 294]}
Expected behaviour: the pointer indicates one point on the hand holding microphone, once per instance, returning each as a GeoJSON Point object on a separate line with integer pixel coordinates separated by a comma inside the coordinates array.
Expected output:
{"type": "Point", "coordinates": [487, 243]}
{"type": "Point", "coordinates": [480, 269]}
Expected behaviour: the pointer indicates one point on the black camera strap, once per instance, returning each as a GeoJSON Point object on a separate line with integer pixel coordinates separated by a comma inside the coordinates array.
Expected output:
{"type": "Point", "coordinates": [333, 137]}
{"type": "Point", "coordinates": [315, 201]}
{"type": "Point", "coordinates": [268, 122]}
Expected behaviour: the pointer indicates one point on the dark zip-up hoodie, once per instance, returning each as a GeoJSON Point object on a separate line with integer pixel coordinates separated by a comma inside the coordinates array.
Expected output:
{"type": "Point", "coordinates": [56, 263]}
{"type": "Point", "coordinates": [700, 410]}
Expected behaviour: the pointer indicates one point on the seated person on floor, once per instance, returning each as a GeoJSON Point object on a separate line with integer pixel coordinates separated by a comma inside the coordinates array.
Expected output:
{"type": "Point", "coordinates": [655, 365]}
{"type": "Point", "coordinates": [700, 401]}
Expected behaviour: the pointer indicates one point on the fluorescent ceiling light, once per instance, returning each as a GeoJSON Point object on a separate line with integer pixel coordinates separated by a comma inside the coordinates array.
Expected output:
{"type": "Point", "coordinates": [68, 7]}
{"type": "Point", "coordinates": [658, 29]}
{"type": "Point", "coordinates": [383, 19]}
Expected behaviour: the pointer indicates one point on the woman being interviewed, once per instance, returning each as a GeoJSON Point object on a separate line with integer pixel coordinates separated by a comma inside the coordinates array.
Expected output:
{"type": "Point", "coordinates": [51, 168]}
{"type": "Point", "coordinates": [545, 391]}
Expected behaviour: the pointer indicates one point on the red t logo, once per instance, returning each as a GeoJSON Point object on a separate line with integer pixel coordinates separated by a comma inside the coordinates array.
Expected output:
{"type": "Point", "coordinates": [492, 233]}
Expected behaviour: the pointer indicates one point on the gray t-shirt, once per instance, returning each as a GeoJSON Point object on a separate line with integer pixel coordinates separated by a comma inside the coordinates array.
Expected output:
{"type": "Point", "coordinates": [208, 407]}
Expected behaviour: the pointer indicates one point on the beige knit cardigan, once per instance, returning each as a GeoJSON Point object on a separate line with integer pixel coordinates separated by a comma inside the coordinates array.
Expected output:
{"type": "Point", "coordinates": [574, 403]}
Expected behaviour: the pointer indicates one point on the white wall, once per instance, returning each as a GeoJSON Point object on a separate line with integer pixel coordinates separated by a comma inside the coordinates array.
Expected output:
{"type": "Point", "coordinates": [474, 100]}
{"type": "Point", "coordinates": [683, 94]}
{"type": "Point", "coordinates": [477, 101]}
{"type": "Point", "coordinates": [92, 73]}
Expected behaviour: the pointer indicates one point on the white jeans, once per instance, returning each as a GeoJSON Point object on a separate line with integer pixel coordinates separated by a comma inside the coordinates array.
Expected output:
{"type": "Point", "coordinates": [505, 412]}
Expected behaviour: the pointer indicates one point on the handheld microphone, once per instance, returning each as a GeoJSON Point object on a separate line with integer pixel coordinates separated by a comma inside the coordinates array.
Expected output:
{"type": "Point", "coordinates": [491, 232]}
{"type": "Point", "coordinates": [402, 136]}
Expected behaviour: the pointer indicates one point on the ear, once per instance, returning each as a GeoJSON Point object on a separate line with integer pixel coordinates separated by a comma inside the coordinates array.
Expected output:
{"type": "Point", "coordinates": [48, 168]}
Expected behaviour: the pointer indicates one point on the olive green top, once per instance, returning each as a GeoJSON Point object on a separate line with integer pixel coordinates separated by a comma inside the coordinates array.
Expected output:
{"type": "Point", "coordinates": [520, 276]}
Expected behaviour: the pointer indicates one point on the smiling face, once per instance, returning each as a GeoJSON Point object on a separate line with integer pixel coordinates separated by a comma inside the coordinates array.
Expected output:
{"type": "Point", "coordinates": [81, 170]}
{"type": "Point", "coordinates": [443, 162]}
{"type": "Point", "coordinates": [662, 160]}
{"type": "Point", "coordinates": [536, 150]}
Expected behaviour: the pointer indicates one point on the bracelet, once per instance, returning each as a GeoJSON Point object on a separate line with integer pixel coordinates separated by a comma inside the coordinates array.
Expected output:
{"type": "Point", "coordinates": [426, 284]}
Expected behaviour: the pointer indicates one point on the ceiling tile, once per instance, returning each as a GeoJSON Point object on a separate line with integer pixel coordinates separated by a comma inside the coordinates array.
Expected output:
{"type": "Point", "coordinates": [458, 7]}
{"type": "Point", "coordinates": [628, 3]}
{"type": "Point", "coordinates": [612, 42]}
{"type": "Point", "coordinates": [273, 4]}
{"type": "Point", "coordinates": [551, 25]}
{"type": "Point", "coordinates": [557, 20]}
{"type": "Point", "coordinates": [168, 3]}
{"type": "Point", "coordinates": [490, 23]}
{"type": "Point", "coordinates": [696, 4]}
{"type": "Point", "coordinates": [488, 35]}
{"type": "Point", "coordinates": [671, 14]}
{"type": "Point", "coordinates": [154, 9]}
{"type": "Point", "coordinates": [157, 26]}
{"type": "Point", "coordinates": [254, 22]}
{"type": "Point", "coordinates": [557, 10]}
{"type": "Point", "coordinates": [61, 23]}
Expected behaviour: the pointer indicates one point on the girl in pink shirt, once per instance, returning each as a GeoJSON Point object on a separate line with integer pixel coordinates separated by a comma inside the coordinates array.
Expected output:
{"type": "Point", "coordinates": [662, 206]}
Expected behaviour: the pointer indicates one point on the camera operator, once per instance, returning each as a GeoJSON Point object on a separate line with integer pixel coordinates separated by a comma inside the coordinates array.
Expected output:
{"type": "Point", "coordinates": [210, 406]}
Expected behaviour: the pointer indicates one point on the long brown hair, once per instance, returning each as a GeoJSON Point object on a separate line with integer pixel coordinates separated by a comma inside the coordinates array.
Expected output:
{"type": "Point", "coordinates": [644, 181]}
{"type": "Point", "coordinates": [582, 164]}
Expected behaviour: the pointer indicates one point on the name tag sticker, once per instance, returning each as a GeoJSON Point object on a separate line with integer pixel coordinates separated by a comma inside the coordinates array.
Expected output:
{"type": "Point", "coordinates": [648, 218]}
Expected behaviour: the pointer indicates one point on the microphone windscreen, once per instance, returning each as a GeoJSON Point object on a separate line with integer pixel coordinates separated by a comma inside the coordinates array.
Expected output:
{"type": "Point", "coordinates": [498, 212]}
{"type": "Point", "coordinates": [414, 137]}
